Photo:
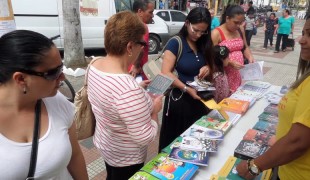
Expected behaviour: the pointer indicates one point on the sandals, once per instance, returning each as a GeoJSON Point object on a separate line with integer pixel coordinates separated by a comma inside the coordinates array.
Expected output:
{"type": "Point", "coordinates": [284, 50]}
{"type": "Point", "coordinates": [276, 51]}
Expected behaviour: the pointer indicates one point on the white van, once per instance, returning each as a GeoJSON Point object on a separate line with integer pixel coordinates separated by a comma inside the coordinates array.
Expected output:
{"type": "Point", "coordinates": [46, 17]}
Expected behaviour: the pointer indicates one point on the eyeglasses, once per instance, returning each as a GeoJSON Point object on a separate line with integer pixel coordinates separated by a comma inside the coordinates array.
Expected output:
{"type": "Point", "coordinates": [52, 74]}
{"type": "Point", "coordinates": [142, 43]}
{"type": "Point", "coordinates": [196, 32]}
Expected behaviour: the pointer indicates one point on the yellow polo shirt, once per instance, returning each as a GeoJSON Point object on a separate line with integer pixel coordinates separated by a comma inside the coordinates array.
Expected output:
{"type": "Point", "coordinates": [295, 108]}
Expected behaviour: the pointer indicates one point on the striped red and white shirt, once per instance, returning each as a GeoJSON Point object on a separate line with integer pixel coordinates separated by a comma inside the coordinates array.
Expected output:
{"type": "Point", "coordinates": [122, 110]}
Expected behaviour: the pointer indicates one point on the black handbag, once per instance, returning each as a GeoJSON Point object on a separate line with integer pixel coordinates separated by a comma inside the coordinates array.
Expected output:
{"type": "Point", "coordinates": [35, 141]}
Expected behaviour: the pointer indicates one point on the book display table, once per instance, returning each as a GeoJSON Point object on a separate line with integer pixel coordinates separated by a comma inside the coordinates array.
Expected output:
{"type": "Point", "coordinates": [189, 145]}
{"type": "Point", "coordinates": [233, 137]}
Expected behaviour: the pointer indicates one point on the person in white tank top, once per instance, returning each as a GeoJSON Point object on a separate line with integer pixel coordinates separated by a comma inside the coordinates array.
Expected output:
{"type": "Point", "coordinates": [31, 69]}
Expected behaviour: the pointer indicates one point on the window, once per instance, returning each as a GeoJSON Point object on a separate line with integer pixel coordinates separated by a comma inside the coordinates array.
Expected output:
{"type": "Point", "coordinates": [178, 16]}
{"type": "Point", "coordinates": [122, 5]}
{"type": "Point", "coordinates": [164, 15]}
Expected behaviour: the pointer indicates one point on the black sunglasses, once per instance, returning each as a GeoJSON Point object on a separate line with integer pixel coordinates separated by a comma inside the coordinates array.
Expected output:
{"type": "Point", "coordinates": [142, 43]}
{"type": "Point", "coordinates": [52, 74]}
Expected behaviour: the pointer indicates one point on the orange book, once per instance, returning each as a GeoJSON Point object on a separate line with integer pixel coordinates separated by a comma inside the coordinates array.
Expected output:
{"type": "Point", "coordinates": [234, 105]}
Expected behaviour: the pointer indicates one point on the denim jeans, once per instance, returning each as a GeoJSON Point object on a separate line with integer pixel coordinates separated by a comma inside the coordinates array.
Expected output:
{"type": "Point", "coordinates": [284, 38]}
{"type": "Point", "coordinates": [268, 36]}
{"type": "Point", "coordinates": [248, 36]}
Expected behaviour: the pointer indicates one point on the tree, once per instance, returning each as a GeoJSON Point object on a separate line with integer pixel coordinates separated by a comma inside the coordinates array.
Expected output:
{"type": "Point", "coordinates": [308, 10]}
{"type": "Point", "coordinates": [74, 55]}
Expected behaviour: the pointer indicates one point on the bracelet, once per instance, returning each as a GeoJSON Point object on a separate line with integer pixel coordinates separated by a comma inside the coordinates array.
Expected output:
{"type": "Point", "coordinates": [184, 89]}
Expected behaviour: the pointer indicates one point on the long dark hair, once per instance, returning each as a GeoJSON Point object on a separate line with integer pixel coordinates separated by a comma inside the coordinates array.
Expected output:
{"type": "Point", "coordinates": [231, 11]}
{"type": "Point", "coordinates": [21, 49]}
{"type": "Point", "coordinates": [220, 53]}
{"type": "Point", "coordinates": [204, 43]}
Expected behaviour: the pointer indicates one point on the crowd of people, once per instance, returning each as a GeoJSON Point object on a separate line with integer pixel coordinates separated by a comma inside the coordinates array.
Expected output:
{"type": "Point", "coordinates": [126, 115]}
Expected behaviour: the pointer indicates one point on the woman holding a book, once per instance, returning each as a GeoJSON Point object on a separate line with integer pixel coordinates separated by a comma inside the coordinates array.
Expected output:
{"type": "Point", "coordinates": [183, 106]}
{"type": "Point", "coordinates": [231, 35]}
{"type": "Point", "coordinates": [126, 116]}
{"type": "Point", "coordinates": [291, 152]}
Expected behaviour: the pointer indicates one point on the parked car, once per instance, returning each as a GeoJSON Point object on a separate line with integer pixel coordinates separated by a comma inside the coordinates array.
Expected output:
{"type": "Point", "coordinates": [159, 34]}
{"type": "Point", "coordinates": [174, 19]}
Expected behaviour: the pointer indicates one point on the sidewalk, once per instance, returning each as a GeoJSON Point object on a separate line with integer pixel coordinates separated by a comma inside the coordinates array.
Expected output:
{"type": "Point", "coordinates": [279, 69]}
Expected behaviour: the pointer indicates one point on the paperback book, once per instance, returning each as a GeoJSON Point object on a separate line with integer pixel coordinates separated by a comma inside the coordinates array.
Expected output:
{"type": "Point", "coordinates": [200, 132]}
{"type": "Point", "coordinates": [175, 143]}
{"type": "Point", "coordinates": [214, 123]}
{"type": "Point", "coordinates": [196, 144]}
{"type": "Point", "coordinates": [235, 106]}
{"type": "Point", "coordinates": [272, 109]}
{"type": "Point", "coordinates": [245, 92]}
{"type": "Point", "coordinates": [233, 118]}
{"type": "Point", "coordinates": [266, 126]}
{"type": "Point", "coordinates": [260, 137]}
{"type": "Point", "coordinates": [249, 149]}
{"type": "Point", "coordinates": [250, 99]}
{"type": "Point", "coordinates": [229, 172]}
{"type": "Point", "coordinates": [268, 117]}
{"type": "Point", "coordinates": [190, 156]}
{"type": "Point", "coordinates": [162, 167]}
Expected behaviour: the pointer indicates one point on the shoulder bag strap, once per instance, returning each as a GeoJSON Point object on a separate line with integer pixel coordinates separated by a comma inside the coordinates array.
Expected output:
{"type": "Point", "coordinates": [86, 74]}
{"type": "Point", "coordinates": [35, 141]}
{"type": "Point", "coordinates": [180, 49]}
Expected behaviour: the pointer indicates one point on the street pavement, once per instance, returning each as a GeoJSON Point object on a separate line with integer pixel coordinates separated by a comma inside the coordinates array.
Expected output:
{"type": "Point", "coordinates": [279, 69]}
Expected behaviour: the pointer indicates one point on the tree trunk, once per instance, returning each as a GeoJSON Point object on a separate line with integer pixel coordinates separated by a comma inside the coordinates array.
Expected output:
{"type": "Point", "coordinates": [308, 11]}
{"type": "Point", "coordinates": [74, 55]}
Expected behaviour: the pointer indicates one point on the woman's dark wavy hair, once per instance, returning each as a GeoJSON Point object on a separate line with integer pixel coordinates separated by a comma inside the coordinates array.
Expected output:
{"type": "Point", "coordinates": [21, 49]}
{"type": "Point", "coordinates": [231, 11]}
{"type": "Point", "coordinates": [204, 43]}
{"type": "Point", "coordinates": [220, 53]}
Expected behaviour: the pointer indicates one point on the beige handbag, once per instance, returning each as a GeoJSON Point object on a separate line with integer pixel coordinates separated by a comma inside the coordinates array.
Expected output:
{"type": "Point", "coordinates": [84, 117]}
{"type": "Point", "coordinates": [153, 66]}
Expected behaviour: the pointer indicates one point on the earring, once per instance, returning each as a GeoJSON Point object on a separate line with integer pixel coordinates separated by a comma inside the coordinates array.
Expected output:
{"type": "Point", "coordinates": [130, 55]}
{"type": "Point", "coordinates": [24, 90]}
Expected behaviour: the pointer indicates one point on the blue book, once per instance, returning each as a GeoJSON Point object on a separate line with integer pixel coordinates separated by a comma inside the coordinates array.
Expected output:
{"type": "Point", "coordinates": [190, 156]}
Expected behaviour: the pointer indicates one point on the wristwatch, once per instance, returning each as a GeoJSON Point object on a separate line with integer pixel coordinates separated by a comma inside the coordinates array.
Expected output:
{"type": "Point", "coordinates": [253, 168]}
{"type": "Point", "coordinates": [184, 89]}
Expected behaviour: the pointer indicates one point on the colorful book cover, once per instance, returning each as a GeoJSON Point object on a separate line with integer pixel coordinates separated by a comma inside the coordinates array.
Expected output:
{"type": "Point", "coordinates": [142, 175]}
{"type": "Point", "coordinates": [214, 123]}
{"type": "Point", "coordinates": [233, 105]}
{"type": "Point", "coordinates": [244, 92]}
{"type": "Point", "coordinates": [268, 117]}
{"type": "Point", "coordinates": [190, 156]}
{"type": "Point", "coordinates": [266, 126]}
{"type": "Point", "coordinates": [250, 99]}
{"type": "Point", "coordinates": [260, 137]}
{"type": "Point", "coordinates": [175, 143]}
{"type": "Point", "coordinates": [260, 84]}
{"type": "Point", "coordinates": [272, 109]}
{"type": "Point", "coordinates": [162, 167]}
{"type": "Point", "coordinates": [248, 149]}
{"type": "Point", "coordinates": [230, 173]}
{"type": "Point", "coordinates": [203, 133]}
{"type": "Point", "coordinates": [232, 117]}
{"type": "Point", "coordinates": [192, 143]}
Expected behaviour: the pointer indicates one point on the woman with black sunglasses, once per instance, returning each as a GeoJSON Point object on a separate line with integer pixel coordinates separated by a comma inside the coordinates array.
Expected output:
{"type": "Point", "coordinates": [30, 75]}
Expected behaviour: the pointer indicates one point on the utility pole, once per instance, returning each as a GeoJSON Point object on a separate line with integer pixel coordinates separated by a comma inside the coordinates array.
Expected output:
{"type": "Point", "coordinates": [74, 55]}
